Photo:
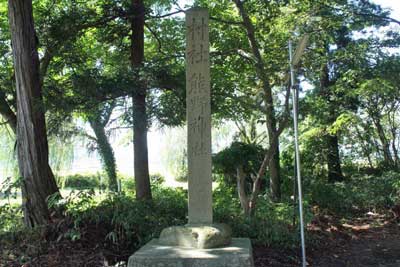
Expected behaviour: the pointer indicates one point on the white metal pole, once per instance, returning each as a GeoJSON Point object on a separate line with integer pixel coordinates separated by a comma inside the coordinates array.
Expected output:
{"type": "Point", "coordinates": [297, 153]}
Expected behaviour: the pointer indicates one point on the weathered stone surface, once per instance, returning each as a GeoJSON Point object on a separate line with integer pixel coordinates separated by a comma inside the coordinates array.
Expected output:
{"type": "Point", "coordinates": [196, 236]}
{"type": "Point", "coordinates": [198, 113]}
{"type": "Point", "coordinates": [238, 254]}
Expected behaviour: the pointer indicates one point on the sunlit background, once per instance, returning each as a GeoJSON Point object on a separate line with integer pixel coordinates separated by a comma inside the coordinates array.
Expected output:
{"type": "Point", "coordinates": [166, 145]}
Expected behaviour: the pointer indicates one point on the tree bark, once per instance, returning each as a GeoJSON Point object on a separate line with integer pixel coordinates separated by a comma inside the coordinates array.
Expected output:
{"type": "Point", "coordinates": [394, 148]}
{"type": "Point", "coordinates": [333, 159]}
{"type": "Point", "coordinates": [141, 158]}
{"type": "Point", "coordinates": [38, 181]}
{"type": "Point", "coordinates": [241, 188]}
{"type": "Point", "coordinates": [106, 152]}
{"type": "Point", "coordinates": [274, 172]}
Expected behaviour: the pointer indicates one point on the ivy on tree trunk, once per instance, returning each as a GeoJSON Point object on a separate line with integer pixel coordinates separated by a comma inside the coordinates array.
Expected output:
{"type": "Point", "coordinates": [105, 150]}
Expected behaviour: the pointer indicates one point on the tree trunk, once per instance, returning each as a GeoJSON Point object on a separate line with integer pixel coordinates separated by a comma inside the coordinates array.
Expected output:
{"type": "Point", "coordinates": [393, 131]}
{"type": "Point", "coordinates": [141, 158]}
{"type": "Point", "coordinates": [395, 151]}
{"type": "Point", "coordinates": [241, 188]}
{"type": "Point", "coordinates": [274, 164]}
{"type": "Point", "coordinates": [388, 160]}
{"type": "Point", "coordinates": [261, 72]}
{"type": "Point", "coordinates": [332, 144]}
{"type": "Point", "coordinates": [274, 172]}
{"type": "Point", "coordinates": [106, 152]}
{"type": "Point", "coordinates": [333, 158]}
{"type": "Point", "coordinates": [7, 113]}
{"type": "Point", "coordinates": [38, 181]}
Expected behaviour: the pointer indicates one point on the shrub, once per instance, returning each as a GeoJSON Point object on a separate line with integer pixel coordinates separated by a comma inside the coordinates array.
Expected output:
{"type": "Point", "coordinates": [10, 213]}
{"type": "Point", "coordinates": [249, 156]}
{"type": "Point", "coordinates": [157, 179]}
{"type": "Point", "coordinates": [128, 182]}
{"type": "Point", "coordinates": [361, 193]}
{"type": "Point", "coordinates": [80, 181]}
{"type": "Point", "coordinates": [127, 222]}
{"type": "Point", "coordinates": [130, 224]}
{"type": "Point", "coordinates": [10, 218]}
{"type": "Point", "coordinates": [271, 224]}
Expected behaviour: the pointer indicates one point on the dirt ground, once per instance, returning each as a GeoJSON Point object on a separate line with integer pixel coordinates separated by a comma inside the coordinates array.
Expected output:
{"type": "Point", "coordinates": [373, 240]}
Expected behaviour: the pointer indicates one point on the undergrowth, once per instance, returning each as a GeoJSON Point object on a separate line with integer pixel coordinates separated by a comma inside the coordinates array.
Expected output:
{"type": "Point", "coordinates": [120, 224]}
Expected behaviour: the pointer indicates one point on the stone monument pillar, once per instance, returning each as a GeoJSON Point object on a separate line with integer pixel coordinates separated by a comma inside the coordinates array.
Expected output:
{"type": "Point", "coordinates": [200, 232]}
{"type": "Point", "coordinates": [198, 113]}
{"type": "Point", "coordinates": [201, 242]}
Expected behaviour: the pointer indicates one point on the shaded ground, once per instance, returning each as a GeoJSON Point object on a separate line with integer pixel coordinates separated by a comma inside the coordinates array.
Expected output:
{"type": "Point", "coordinates": [373, 240]}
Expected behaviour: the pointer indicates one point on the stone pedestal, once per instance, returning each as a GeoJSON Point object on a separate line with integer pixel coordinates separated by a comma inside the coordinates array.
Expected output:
{"type": "Point", "coordinates": [196, 236]}
{"type": "Point", "coordinates": [237, 254]}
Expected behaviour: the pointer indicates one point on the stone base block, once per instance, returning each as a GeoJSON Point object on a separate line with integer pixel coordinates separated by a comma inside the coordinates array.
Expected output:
{"type": "Point", "coordinates": [237, 254]}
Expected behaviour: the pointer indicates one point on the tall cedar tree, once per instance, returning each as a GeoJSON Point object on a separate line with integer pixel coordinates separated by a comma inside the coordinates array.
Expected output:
{"type": "Point", "coordinates": [37, 178]}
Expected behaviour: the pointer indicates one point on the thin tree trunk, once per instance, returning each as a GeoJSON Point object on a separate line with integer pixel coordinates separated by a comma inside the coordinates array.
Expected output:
{"type": "Point", "coordinates": [333, 158]}
{"type": "Point", "coordinates": [274, 172]}
{"type": "Point", "coordinates": [241, 188]}
{"type": "Point", "coordinates": [7, 113]}
{"type": "Point", "coordinates": [385, 144]}
{"type": "Point", "coordinates": [141, 158]}
{"type": "Point", "coordinates": [106, 152]}
{"type": "Point", "coordinates": [38, 181]}
{"type": "Point", "coordinates": [393, 131]}
{"type": "Point", "coordinates": [261, 72]}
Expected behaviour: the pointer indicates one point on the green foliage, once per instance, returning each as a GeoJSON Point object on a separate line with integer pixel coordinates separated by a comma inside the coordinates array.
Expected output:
{"type": "Point", "coordinates": [80, 181]}
{"type": "Point", "coordinates": [10, 218]}
{"type": "Point", "coordinates": [133, 223]}
{"type": "Point", "coordinates": [127, 183]}
{"type": "Point", "coordinates": [157, 179]}
{"type": "Point", "coordinates": [249, 156]}
{"type": "Point", "coordinates": [97, 180]}
{"type": "Point", "coordinates": [272, 223]}
{"type": "Point", "coordinates": [128, 222]}
{"type": "Point", "coordinates": [10, 213]}
{"type": "Point", "coordinates": [361, 193]}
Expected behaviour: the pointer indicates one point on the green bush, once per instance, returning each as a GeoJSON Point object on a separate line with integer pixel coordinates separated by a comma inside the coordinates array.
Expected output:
{"type": "Point", "coordinates": [10, 218]}
{"type": "Point", "coordinates": [361, 193]}
{"type": "Point", "coordinates": [130, 223]}
{"type": "Point", "coordinates": [271, 224]}
{"type": "Point", "coordinates": [248, 156]}
{"type": "Point", "coordinates": [128, 182]}
{"type": "Point", "coordinates": [157, 179]}
{"type": "Point", "coordinates": [80, 181]}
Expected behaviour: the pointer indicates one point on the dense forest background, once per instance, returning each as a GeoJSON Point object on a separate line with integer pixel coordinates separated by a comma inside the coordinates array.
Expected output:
{"type": "Point", "coordinates": [94, 75]}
